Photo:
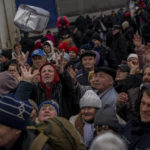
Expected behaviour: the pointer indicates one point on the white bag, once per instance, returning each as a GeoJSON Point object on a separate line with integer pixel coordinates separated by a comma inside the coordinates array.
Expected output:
{"type": "Point", "coordinates": [31, 19]}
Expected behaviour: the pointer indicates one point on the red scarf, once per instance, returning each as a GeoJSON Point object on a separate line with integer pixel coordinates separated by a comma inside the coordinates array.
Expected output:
{"type": "Point", "coordinates": [55, 80]}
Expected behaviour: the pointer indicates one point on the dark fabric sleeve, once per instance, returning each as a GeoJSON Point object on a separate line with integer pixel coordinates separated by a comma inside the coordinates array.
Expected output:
{"type": "Point", "coordinates": [24, 90]}
{"type": "Point", "coordinates": [132, 81]}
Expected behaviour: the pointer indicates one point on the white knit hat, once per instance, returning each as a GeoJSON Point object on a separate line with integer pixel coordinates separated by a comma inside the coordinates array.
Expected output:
{"type": "Point", "coordinates": [90, 99]}
{"type": "Point", "coordinates": [132, 56]}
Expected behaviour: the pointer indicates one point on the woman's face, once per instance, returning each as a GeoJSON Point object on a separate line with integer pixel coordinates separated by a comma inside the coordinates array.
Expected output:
{"type": "Point", "coordinates": [47, 49]}
{"type": "Point", "coordinates": [88, 113]}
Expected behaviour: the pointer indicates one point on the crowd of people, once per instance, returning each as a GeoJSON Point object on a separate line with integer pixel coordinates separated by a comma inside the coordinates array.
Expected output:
{"type": "Point", "coordinates": [95, 73]}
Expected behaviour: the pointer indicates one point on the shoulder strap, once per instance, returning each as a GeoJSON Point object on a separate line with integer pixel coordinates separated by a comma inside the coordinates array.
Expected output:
{"type": "Point", "coordinates": [67, 133]}
{"type": "Point", "coordinates": [39, 142]}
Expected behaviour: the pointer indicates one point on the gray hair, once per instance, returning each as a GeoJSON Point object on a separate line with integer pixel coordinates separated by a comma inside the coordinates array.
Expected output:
{"type": "Point", "coordinates": [108, 141]}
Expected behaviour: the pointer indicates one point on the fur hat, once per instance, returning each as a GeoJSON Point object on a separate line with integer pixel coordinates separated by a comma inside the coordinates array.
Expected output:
{"type": "Point", "coordinates": [14, 112]}
{"type": "Point", "coordinates": [90, 99]}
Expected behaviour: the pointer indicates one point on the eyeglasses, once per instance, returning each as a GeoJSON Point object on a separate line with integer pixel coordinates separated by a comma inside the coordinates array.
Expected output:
{"type": "Point", "coordinates": [104, 127]}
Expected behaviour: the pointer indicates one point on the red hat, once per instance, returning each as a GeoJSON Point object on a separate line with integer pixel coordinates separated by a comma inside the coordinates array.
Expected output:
{"type": "Point", "coordinates": [73, 48]}
{"type": "Point", "coordinates": [127, 14]}
{"type": "Point", "coordinates": [38, 45]}
{"type": "Point", "coordinates": [63, 46]}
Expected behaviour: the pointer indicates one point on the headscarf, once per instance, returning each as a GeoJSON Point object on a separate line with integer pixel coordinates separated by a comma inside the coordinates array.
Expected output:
{"type": "Point", "coordinates": [55, 80]}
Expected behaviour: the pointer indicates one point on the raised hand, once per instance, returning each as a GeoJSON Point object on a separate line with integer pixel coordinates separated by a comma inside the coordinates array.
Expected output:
{"type": "Point", "coordinates": [122, 98]}
{"type": "Point", "coordinates": [21, 59]}
{"type": "Point", "coordinates": [26, 74]}
{"type": "Point", "coordinates": [59, 62]}
{"type": "Point", "coordinates": [72, 73]}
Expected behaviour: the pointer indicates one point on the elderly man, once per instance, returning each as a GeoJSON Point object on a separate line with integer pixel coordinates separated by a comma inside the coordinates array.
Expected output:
{"type": "Point", "coordinates": [104, 79]}
{"type": "Point", "coordinates": [137, 133]}
{"type": "Point", "coordinates": [38, 58]}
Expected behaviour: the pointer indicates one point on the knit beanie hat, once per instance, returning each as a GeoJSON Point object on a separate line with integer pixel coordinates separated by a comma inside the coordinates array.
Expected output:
{"type": "Point", "coordinates": [14, 112]}
{"type": "Point", "coordinates": [73, 48]}
{"type": "Point", "coordinates": [90, 99]}
{"type": "Point", "coordinates": [106, 116]}
{"type": "Point", "coordinates": [7, 82]}
{"type": "Point", "coordinates": [63, 46]}
{"type": "Point", "coordinates": [53, 103]}
{"type": "Point", "coordinates": [132, 56]}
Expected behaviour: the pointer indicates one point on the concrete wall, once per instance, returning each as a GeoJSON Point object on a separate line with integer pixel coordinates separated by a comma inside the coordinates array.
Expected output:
{"type": "Point", "coordinates": [75, 7]}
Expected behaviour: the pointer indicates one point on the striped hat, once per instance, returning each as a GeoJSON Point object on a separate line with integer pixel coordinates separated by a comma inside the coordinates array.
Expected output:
{"type": "Point", "coordinates": [14, 112]}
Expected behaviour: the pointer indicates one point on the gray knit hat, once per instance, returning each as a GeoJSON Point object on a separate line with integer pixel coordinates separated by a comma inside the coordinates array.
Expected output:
{"type": "Point", "coordinates": [90, 99]}
{"type": "Point", "coordinates": [7, 82]}
{"type": "Point", "coordinates": [106, 116]}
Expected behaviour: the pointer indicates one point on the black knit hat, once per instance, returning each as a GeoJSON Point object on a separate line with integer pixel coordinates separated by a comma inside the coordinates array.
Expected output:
{"type": "Point", "coordinates": [107, 70]}
{"type": "Point", "coordinates": [7, 54]}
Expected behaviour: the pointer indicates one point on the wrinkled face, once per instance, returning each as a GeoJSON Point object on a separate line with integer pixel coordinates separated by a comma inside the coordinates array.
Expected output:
{"type": "Point", "coordinates": [146, 76]}
{"type": "Point", "coordinates": [47, 49]}
{"type": "Point", "coordinates": [8, 135]}
{"type": "Point", "coordinates": [72, 55]}
{"type": "Point", "coordinates": [88, 113]}
{"type": "Point", "coordinates": [13, 70]}
{"type": "Point", "coordinates": [47, 74]}
{"type": "Point", "coordinates": [102, 81]}
{"type": "Point", "coordinates": [38, 61]}
{"type": "Point", "coordinates": [121, 75]}
{"type": "Point", "coordinates": [47, 111]}
{"type": "Point", "coordinates": [88, 62]}
{"type": "Point", "coordinates": [3, 59]}
{"type": "Point", "coordinates": [145, 108]}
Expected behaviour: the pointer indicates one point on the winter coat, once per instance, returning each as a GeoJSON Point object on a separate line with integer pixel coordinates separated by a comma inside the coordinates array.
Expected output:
{"type": "Point", "coordinates": [82, 77]}
{"type": "Point", "coordinates": [136, 135]}
{"type": "Point", "coordinates": [129, 110]}
{"type": "Point", "coordinates": [119, 48]}
{"type": "Point", "coordinates": [62, 93]}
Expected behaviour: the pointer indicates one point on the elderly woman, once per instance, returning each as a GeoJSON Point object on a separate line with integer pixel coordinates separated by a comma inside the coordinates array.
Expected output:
{"type": "Point", "coordinates": [84, 121]}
